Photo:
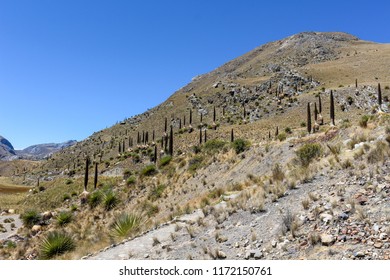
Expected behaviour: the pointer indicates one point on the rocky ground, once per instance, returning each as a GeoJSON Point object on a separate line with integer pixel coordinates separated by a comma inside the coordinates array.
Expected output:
{"type": "Point", "coordinates": [335, 214]}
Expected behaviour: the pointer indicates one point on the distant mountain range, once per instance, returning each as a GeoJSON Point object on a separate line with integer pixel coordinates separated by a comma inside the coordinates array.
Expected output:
{"type": "Point", "coordinates": [35, 152]}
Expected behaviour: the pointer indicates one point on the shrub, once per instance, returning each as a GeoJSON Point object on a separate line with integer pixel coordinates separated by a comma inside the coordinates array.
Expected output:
{"type": "Point", "coordinates": [363, 121]}
{"type": "Point", "coordinates": [149, 170]}
{"type": "Point", "coordinates": [277, 173]}
{"type": "Point", "coordinates": [125, 224]}
{"type": "Point", "coordinates": [68, 181]}
{"type": "Point", "coordinates": [64, 218]}
{"type": "Point", "coordinates": [131, 180]}
{"type": "Point", "coordinates": [95, 199]}
{"type": "Point", "coordinates": [308, 152]}
{"type": "Point", "coordinates": [55, 244]}
{"type": "Point", "coordinates": [240, 145]}
{"type": "Point", "coordinates": [30, 218]}
{"type": "Point", "coordinates": [214, 145]}
{"type": "Point", "coordinates": [194, 163]}
{"type": "Point", "coordinates": [126, 174]}
{"type": "Point", "coordinates": [288, 130]}
{"type": "Point", "coordinates": [157, 192]}
{"type": "Point", "coordinates": [165, 161]}
{"type": "Point", "coordinates": [110, 200]}
{"type": "Point", "coordinates": [282, 136]}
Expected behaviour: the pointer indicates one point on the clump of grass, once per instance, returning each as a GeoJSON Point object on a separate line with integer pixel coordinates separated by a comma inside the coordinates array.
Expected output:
{"type": "Point", "coordinates": [308, 152]}
{"type": "Point", "coordinates": [55, 244]}
{"type": "Point", "coordinates": [277, 173]}
{"type": "Point", "coordinates": [214, 145]}
{"type": "Point", "coordinates": [64, 218]}
{"type": "Point", "coordinates": [30, 218]}
{"type": "Point", "coordinates": [195, 163]}
{"type": "Point", "coordinates": [363, 121]}
{"type": "Point", "coordinates": [95, 199]}
{"type": "Point", "coordinates": [149, 170]}
{"type": "Point", "coordinates": [165, 161]}
{"type": "Point", "coordinates": [131, 181]}
{"type": "Point", "coordinates": [157, 192]}
{"type": "Point", "coordinates": [110, 200]}
{"type": "Point", "coordinates": [378, 153]}
{"type": "Point", "coordinates": [240, 145]}
{"type": "Point", "coordinates": [125, 224]}
{"type": "Point", "coordinates": [282, 136]}
{"type": "Point", "coordinates": [305, 203]}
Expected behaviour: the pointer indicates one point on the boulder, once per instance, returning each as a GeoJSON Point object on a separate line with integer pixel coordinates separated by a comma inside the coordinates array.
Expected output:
{"type": "Point", "coordinates": [326, 239]}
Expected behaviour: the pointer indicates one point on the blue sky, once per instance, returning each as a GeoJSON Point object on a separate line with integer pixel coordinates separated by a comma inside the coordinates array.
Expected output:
{"type": "Point", "coordinates": [69, 68]}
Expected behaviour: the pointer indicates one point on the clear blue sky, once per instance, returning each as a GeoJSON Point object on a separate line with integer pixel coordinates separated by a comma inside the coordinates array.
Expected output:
{"type": "Point", "coordinates": [69, 68]}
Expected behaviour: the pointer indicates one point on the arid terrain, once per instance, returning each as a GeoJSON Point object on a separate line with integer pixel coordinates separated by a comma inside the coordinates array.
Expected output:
{"type": "Point", "coordinates": [244, 162]}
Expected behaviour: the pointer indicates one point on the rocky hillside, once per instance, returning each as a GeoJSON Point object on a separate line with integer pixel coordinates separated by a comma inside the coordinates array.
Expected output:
{"type": "Point", "coordinates": [230, 167]}
{"type": "Point", "coordinates": [6, 149]}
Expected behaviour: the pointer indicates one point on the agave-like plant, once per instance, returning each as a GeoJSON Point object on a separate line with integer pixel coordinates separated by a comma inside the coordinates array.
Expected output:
{"type": "Point", "coordinates": [125, 224]}
{"type": "Point", "coordinates": [110, 200]}
{"type": "Point", "coordinates": [64, 218]}
{"type": "Point", "coordinates": [55, 244]}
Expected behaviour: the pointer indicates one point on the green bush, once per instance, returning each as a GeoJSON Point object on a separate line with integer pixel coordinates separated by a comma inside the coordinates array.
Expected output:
{"type": "Point", "coordinates": [30, 218]}
{"type": "Point", "coordinates": [64, 218]}
{"type": "Point", "coordinates": [308, 152]}
{"type": "Point", "coordinates": [165, 160]}
{"type": "Point", "coordinates": [55, 244]}
{"type": "Point", "coordinates": [149, 170]}
{"type": "Point", "coordinates": [282, 136]}
{"type": "Point", "coordinates": [240, 145]}
{"type": "Point", "coordinates": [363, 121]}
{"type": "Point", "coordinates": [125, 224]}
{"type": "Point", "coordinates": [214, 145]}
{"type": "Point", "coordinates": [131, 180]}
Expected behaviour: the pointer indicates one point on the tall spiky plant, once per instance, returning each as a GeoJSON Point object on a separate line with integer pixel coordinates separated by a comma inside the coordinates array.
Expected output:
{"type": "Point", "coordinates": [379, 97]}
{"type": "Point", "coordinates": [171, 142]}
{"type": "Point", "coordinates": [95, 181]}
{"type": "Point", "coordinates": [86, 173]}
{"type": "Point", "coordinates": [205, 136]}
{"type": "Point", "coordinates": [155, 154]}
{"type": "Point", "coordinates": [332, 108]}
{"type": "Point", "coordinates": [200, 136]}
{"type": "Point", "coordinates": [315, 112]}
{"type": "Point", "coordinates": [232, 135]}
{"type": "Point", "coordinates": [308, 118]}
{"type": "Point", "coordinates": [277, 131]}
{"type": "Point", "coordinates": [319, 104]}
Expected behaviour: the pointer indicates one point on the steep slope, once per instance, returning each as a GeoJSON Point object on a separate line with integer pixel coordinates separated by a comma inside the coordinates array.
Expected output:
{"type": "Point", "coordinates": [276, 182]}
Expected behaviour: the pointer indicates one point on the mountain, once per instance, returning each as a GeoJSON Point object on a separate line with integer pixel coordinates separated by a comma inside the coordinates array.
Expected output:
{"type": "Point", "coordinates": [35, 152]}
{"type": "Point", "coordinates": [41, 151]}
{"type": "Point", "coordinates": [6, 148]}
{"type": "Point", "coordinates": [248, 176]}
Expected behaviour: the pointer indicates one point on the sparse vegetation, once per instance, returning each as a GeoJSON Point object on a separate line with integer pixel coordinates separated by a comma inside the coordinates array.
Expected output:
{"type": "Point", "coordinates": [64, 218]}
{"type": "Point", "coordinates": [125, 224]}
{"type": "Point", "coordinates": [30, 218]}
{"type": "Point", "coordinates": [308, 152]}
{"type": "Point", "coordinates": [240, 145]}
{"type": "Point", "coordinates": [55, 244]}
